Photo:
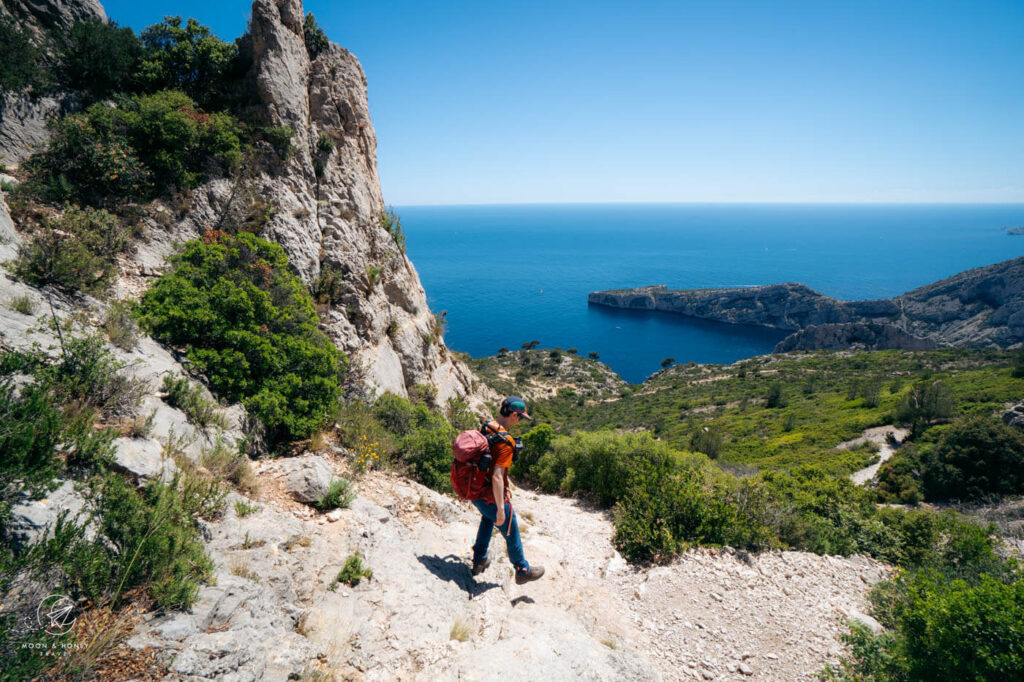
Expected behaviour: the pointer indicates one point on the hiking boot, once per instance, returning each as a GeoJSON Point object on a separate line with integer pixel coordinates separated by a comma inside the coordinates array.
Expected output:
{"type": "Point", "coordinates": [523, 577]}
{"type": "Point", "coordinates": [480, 567]}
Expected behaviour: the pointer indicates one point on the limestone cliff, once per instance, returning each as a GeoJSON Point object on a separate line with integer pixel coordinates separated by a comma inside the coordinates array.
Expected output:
{"type": "Point", "coordinates": [23, 116]}
{"type": "Point", "coordinates": [981, 307]}
{"type": "Point", "coordinates": [327, 209]}
{"type": "Point", "coordinates": [323, 202]}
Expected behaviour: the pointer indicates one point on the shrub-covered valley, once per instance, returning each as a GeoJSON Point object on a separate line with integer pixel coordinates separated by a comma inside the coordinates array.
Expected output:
{"type": "Point", "coordinates": [157, 430]}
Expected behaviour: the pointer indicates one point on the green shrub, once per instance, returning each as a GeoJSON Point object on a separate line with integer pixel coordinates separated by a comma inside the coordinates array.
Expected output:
{"type": "Point", "coordinates": [187, 57]}
{"type": "Point", "coordinates": [75, 252]}
{"type": "Point", "coordinates": [100, 58]}
{"type": "Point", "coordinates": [974, 458]}
{"type": "Point", "coordinates": [89, 376]}
{"type": "Point", "coordinates": [230, 465]}
{"type": "Point", "coordinates": [25, 304]}
{"type": "Point", "coordinates": [599, 464]}
{"type": "Point", "coordinates": [245, 508]}
{"type": "Point", "coordinates": [88, 163]}
{"type": "Point", "coordinates": [339, 495]}
{"type": "Point", "coordinates": [392, 224]}
{"type": "Point", "coordinates": [926, 401]}
{"type": "Point", "coordinates": [666, 508]}
{"type": "Point", "coordinates": [188, 397]}
{"type": "Point", "coordinates": [946, 630]}
{"type": "Point", "coordinates": [119, 324]}
{"type": "Point", "coordinates": [353, 571]}
{"type": "Point", "coordinates": [154, 537]}
{"type": "Point", "coordinates": [709, 440]}
{"type": "Point", "coordinates": [280, 138]}
{"type": "Point", "coordinates": [146, 145]}
{"type": "Point", "coordinates": [775, 397]}
{"type": "Point", "coordinates": [898, 479]}
{"type": "Point", "coordinates": [428, 450]}
{"type": "Point", "coordinates": [395, 413]}
{"type": "Point", "coordinates": [22, 66]}
{"type": "Point", "coordinates": [316, 39]}
{"type": "Point", "coordinates": [249, 324]}
{"type": "Point", "coordinates": [38, 440]}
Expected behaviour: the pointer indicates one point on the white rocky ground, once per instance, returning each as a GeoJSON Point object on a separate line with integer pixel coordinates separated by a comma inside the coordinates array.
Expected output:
{"type": "Point", "coordinates": [711, 614]}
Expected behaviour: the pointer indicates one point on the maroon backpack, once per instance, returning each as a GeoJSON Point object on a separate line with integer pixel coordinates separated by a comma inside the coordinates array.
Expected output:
{"type": "Point", "coordinates": [471, 465]}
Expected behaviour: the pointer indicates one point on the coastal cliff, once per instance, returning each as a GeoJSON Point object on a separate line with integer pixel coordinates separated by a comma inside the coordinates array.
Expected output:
{"type": "Point", "coordinates": [983, 307]}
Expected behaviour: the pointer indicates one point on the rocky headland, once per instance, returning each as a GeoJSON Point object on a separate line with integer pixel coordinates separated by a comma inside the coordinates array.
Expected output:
{"type": "Point", "coordinates": [983, 307]}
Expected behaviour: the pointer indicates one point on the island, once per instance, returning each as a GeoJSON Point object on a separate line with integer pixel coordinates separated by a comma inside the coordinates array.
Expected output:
{"type": "Point", "coordinates": [982, 307]}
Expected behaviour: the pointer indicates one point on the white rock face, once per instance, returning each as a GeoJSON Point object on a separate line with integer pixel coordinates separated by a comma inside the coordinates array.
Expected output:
{"type": "Point", "coordinates": [23, 116]}
{"type": "Point", "coordinates": [9, 239]}
{"type": "Point", "coordinates": [332, 218]}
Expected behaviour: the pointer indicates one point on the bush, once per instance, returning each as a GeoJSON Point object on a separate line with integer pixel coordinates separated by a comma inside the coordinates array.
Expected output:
{"type": "Point", "coordinates": [119, 324]}
{"type": "Point", "coordinates": [154, 539]}
{"type": "Point", "coordinates": [316, 39]}
{"type": "Point", "coordinates": [775, 397]}
{"type": "Point", "coordinates": [338, 495]}
{"type": "Point", "coordinates": [392, 224]}
{"type": "Point", "coordinates": [89, 376]}
{"type": "Point", "coordinates": [429, 450]}
{"type": "Point", "coordinates": [353, 571]}
{"type": "Point", "coordinates": [75, 252]}
{"type": "Point", "coordinates": [187, 57]}
{"type": "Point", "coordinates": [974, 458]}
{"type": "Point", "coordinates": [249, 324]}
{"type": "Point", "coordinates": [925, 402]}
{"type": "Point", "coordinates": [938, 629]}
{"type": "Point", "coordinates": [599, 464]}
{"type": "Point", "coordinates": [22, 66]}
{"type": "Point", "coordinates": [709, 440]}
{"type": "Point", "coordinates": [37, 440]}
{"type": "Point", "coordinates": [188, 397]}
{"type": "Point", "coordinates": [146, 145]}
{"type": "Point", "coordinates": [87, 163]}
{"type": "Point", "coordinates": [100, 58]}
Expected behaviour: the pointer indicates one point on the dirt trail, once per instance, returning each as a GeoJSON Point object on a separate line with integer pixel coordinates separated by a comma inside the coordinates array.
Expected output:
{"type": "Point", "coordinates": [885, 451]}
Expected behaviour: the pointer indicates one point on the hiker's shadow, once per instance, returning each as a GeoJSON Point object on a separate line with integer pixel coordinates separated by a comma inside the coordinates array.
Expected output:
{"type": "Point", "coordinates": [452, 569]}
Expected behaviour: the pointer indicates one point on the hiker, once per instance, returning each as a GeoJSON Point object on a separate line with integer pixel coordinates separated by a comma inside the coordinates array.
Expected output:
{"type": "Point", "coordinates": [513, 408]}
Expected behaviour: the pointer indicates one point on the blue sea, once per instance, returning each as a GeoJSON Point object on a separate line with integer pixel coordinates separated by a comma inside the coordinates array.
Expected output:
{"type": "Point", "coordinates": [510, 274]}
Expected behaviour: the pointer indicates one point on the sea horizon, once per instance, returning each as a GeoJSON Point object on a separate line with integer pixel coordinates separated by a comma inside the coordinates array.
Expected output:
{"type": "Point", "coordinates": [511, 273]}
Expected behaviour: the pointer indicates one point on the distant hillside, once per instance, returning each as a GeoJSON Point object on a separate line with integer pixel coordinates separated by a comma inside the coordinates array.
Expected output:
{"type": "Point", "coordinates": [540, 374]}
{"type": "Point", "coordinates": [983, 307]}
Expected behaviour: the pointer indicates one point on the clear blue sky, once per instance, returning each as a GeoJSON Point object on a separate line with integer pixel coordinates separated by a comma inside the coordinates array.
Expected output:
{"type": "Point", "coordinates": [863, 100]}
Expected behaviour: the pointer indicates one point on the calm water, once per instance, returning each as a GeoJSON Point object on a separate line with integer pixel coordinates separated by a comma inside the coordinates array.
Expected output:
{"type": "Point", "coordinates": [510, 274]}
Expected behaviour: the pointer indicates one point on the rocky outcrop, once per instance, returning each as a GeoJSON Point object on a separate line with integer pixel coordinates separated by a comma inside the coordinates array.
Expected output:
{"type": "Point", "coordinates": [983, 307]}
{"type": "Point", "coordinates": [326, 211]}
{"type": "Point", "coordinates": [853, 335]}
{"type": "Point", "coordinates": [45, 15]}
{"type": "Point", "coordinates": [24, 116]}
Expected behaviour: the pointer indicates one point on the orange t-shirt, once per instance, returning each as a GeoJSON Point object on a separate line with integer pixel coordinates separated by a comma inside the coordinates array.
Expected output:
{"type": "Point", "coordinates": [502, 454]}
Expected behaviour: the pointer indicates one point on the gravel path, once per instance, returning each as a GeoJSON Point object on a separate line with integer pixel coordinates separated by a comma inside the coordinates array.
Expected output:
{"type": "Point", "coordinates": [885, 451]}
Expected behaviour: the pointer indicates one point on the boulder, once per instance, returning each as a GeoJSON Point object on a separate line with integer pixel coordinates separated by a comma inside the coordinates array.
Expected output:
{"type": "Point", "coordinates": [142, 459]}
{"type": "Point", "coordinates": [309, 478]}
{"type": "Point", "coordinates": [34, 520]}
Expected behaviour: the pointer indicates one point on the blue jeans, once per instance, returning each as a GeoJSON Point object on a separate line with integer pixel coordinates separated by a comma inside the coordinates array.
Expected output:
{"type": "Point", "coordinates": [509, 530]}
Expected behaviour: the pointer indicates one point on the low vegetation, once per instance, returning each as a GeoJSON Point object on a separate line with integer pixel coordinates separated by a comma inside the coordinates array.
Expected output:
{"type": "Point", "coordinates": [75, 251]}
{"type": "Point", "coordinates": [249, 325]}
{"type": "Point", "coordinates": [136, 539]}
{"type": "Point", "coordinates": [353, 572]}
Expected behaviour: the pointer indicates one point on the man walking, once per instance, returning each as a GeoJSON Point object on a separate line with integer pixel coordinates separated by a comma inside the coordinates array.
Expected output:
{"type": "Point", "coordinates": [503, 450]}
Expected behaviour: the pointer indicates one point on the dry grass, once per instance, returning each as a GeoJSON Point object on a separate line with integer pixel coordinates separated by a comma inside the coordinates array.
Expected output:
{"type": "Point", "coordinates": [461, 630]}
{"type": "Point", "coordinates": [240, 566]}
{"type": "Point", "coordinates": [298, 540]}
